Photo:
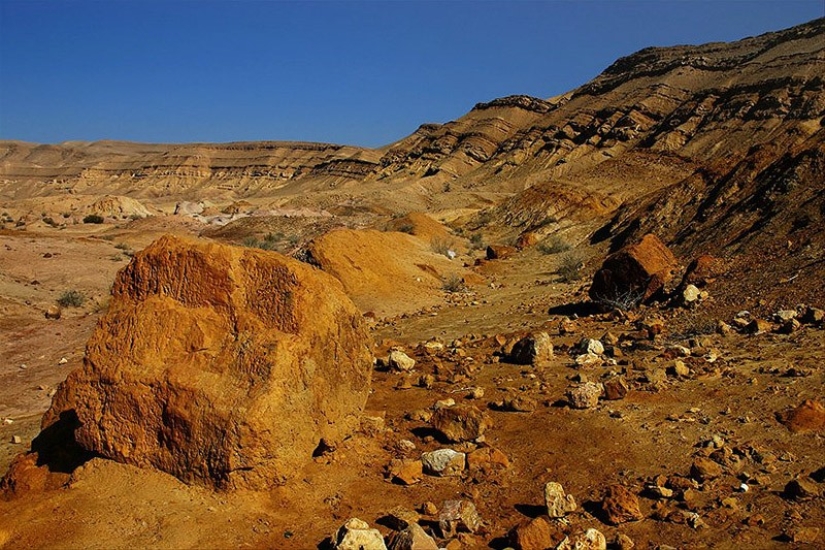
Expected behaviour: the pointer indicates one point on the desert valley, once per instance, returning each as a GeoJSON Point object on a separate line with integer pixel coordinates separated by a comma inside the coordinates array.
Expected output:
{"type": "Point", "coordinates": [587, 321]}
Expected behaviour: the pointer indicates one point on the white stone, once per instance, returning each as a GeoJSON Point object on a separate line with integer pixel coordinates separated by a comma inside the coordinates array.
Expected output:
{"type": "Point", "coordinates": [356, 534]}
{"type": "Point", "coordinates": [558, 503]}
{"type": "Point", "coordinates": [591, 346]}
{"type": "Point", "coordinates": [444, 462]}
{"type": "Point", "coordinates": [399, 360]}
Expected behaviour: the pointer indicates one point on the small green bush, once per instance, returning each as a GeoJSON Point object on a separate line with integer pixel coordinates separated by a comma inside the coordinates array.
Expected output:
{"type": "Point", "coordinates": [71, 298]}
{"type": "Point", "coordinates": [476, 241]}
{"type": "Point", "coordinates": [93, 218]}
{"type": "Point", "coordinates": [570, 268]}
{"type": "Point", "coordinates": [453, 283]}
{"type": "Point", "coordinates": [553, 245]}
{"type": "Point", "coordinates": [442, 246]}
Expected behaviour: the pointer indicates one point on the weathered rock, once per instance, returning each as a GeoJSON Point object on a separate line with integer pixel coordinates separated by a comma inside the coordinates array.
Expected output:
{"type": "Point", "coordinates": [591, 346]}
{"type": "Point", "coordinates": [53, 312]}
{"type": "Point", "coordinates": [413, 537]}
{"type": "Point", "coordinates": [585, 396]}
{"type": "Point", "coordinates": [813, 316]}
{"type": "Point", "coordinates": [705, 469]}
{"type": "Point", "coordinates": [356, 534]}
{"type": "Point", "coordinates": [809, 416]}
{"type": "Point", "coordinates": [592, 539]}
{"type": "Point", "coordinates": [444, 462]}
{"type": "Point", "coordinates": [690, 295]}
{"type": "Point", "coordinates": [620, 505]}
{"type": "Point", "coordinates": [758, 326]}
{"type": "Point", "coordinates": [400, 518]}
{"type": "Point", "coordinates": [487, 460]}
{"type": "Point", "coordinates": [558, 503]}
{"type": "Point", "coordinates": [526, 240]}
{"type": "Point", "coordinates": [533, 349]}
{"type": "Point", "coordinates": [804, 534]}
{"type": "Point", "coordinates": [405, 471]}
{"type": "Point", "coordinates": [456, 516]}
{"type": "Point", "coordinates": [678, 368]}
{"type": "Point", "coordinates": [615, 388]}
{"type": "Point", "coordinates": [398, 360]}
{"type": "Point", "coordinates": [702, 271]}
{"type": "Point", "coordinates": [223, 366]}
{"type": "Point", "coordinates": [460, 423]}
{"type": "Point", "coordinates": [801, 488]}
{"type": "Point", "coordinates": [537, 534]}
{"type": "Point", "coordinates": [623, 542]}
{"type": "Point", "coordinates": [784, 315]}
{"type": "Point", "coordinates": [500, 251]}
{"type": "Point", "coordinates": [519, 403]}
{"type": "Point", "coordinates": [636, 273]}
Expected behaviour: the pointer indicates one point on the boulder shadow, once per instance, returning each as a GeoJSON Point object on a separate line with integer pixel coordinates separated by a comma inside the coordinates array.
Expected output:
{"type": "Point", "coordinates": [57, 448]}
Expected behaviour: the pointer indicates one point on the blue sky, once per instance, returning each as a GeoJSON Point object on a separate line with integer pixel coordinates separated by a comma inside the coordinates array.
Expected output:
{"type": "Point", "coordinates": [360, 73]}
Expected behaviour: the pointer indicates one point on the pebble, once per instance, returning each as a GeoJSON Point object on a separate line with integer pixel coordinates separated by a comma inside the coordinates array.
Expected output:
{"type": "Point", "coordinates": [585, 396]}
{"type": "Point", "coordinates": [457, 516]}
{"type": "Point", "coordinates": [620, 505]}
{"type": "Point", "coordinates": [400, 361]}
{"type": "Point", "coordinates": [16, 439]}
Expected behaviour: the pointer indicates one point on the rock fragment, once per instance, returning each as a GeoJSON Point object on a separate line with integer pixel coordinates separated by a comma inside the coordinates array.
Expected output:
{"type": "Point", "coordinates": [558, 503]}
{"type": "Point", "coordinates": [615, 388]}
{"type": "Point", "coordinates": [406, 471]}
{"type": "Point", "coordinates": [809, 416]}
{"type": "Point", "coordinates": [400, 361]}
{"type": "Point", "coordinates": [635, 274]}
{"type": "Point", "coordinates": [620, 505]}
{"type": "Point", "coordinates": [487, 460]}
{"type": "Point", "coordinates": [533, 349]}
{"type": "Point", "coordinates": [444, 462]}
{"type": "Point", "coordinates": [457, 516]}
{"type": "Point", "coordinates": [704, 469]}
{"type": "Point", "coordinates": [460, 423]}
{"type": "Point", "coordinates": [537, 534]}
{"type": "Point", "coordinates": [356, 534]}
{"type": "Point", "coordinates": [592, 539]}
{"type": "Point", "coordinates": [413, 537]}
{"type": "Point", "coordinates": [585, 396]}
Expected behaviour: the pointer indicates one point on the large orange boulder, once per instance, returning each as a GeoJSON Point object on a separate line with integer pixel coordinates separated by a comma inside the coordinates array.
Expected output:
{"type": "Point", "coordinates": [223, 366]}
{"type": "Point", "coordinates": [634, 274]}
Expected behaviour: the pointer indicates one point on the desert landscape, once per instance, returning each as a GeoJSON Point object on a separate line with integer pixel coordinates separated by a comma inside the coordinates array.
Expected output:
{"type": "Point", "coordinates": [589, 321]}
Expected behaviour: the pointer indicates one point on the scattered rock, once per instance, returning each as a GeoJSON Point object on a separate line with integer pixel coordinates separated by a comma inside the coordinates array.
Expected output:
{"type": "Point", "coordinates": [444, 462]}
{"type": "Point", "coordinates": [623, 542]}
{"type": "Point", "coordinates": [520, 403]}
{"type": "Point", "coordinates": [456, 516]}
{"type": "Point", "coordinates": [620, 505]}
{"type": "Point", "coordinates": [400, 361]}
{"type": "Point", "coordinates": [16, 439]}
{"type": "Point", "coordinates": [615, 388]}
{"type": "Point", "coordinates": [558, 503]}
{"type": "Point", "coordinates": [356, 534]}
{"type": "Point", "coordinates": [487, 460]}
{"type": "Point", "coordinates": [500, 251]}
{"type": "Point", "coordinates": [690, 295]}
{"type": "Point", "coordinates": [533, 349]}
{"type": "Point", "coordinates": [585, 396]}
{"type": "Point", "coordinates": [400, 518]}
{"type": "Point", "coordinates": [702, 271]}
{"type": "Point", "coordinates": [636, 273]}
{"type": "Point", "coordinates": [443, 403]}
{"type": "Point", "coordinates": [537, 534]}
{"type": "Point", "coordinates": [804, 534]}
{"type": "Point", "coordinates": [591, 346]}
{"type": "Point", "coordinates": [413, 537]}
{"type": "Point", "coordinates": [460, 423]}
{"type": "Point", "coordinates": [592, 539]}
{"type": "Point", "coordinates": [406, 471]}
{"type": "Point", "coordinates": [53, 312]}
{"type": "Point", "coordinates": [809, 416]}
{"type": "Point", "coordinates": [758, 326]}
{"type": "Point", "coordinates": [801, 488]}
{"type": "Point", "coordinates": [679, 369]}
{"type": "Point", "coordinates": [704, 469]}
{"type": "Point", "coordinates": [813, 316]}
{"type": "Point", "coordinates": [204, 362]}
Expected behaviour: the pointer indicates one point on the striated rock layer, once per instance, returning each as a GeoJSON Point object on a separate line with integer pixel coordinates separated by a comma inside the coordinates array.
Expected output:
{"type": "Point", "coordinates": [222, 366]}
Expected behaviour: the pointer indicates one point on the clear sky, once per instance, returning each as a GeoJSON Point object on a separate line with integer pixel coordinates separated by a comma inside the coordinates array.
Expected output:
{"type": "Point", "coordinates": [360, 73]}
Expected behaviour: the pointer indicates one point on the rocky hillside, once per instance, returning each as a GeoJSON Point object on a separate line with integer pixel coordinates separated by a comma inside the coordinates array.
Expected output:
{"type": "Point", "coordinates": [699, 143]}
